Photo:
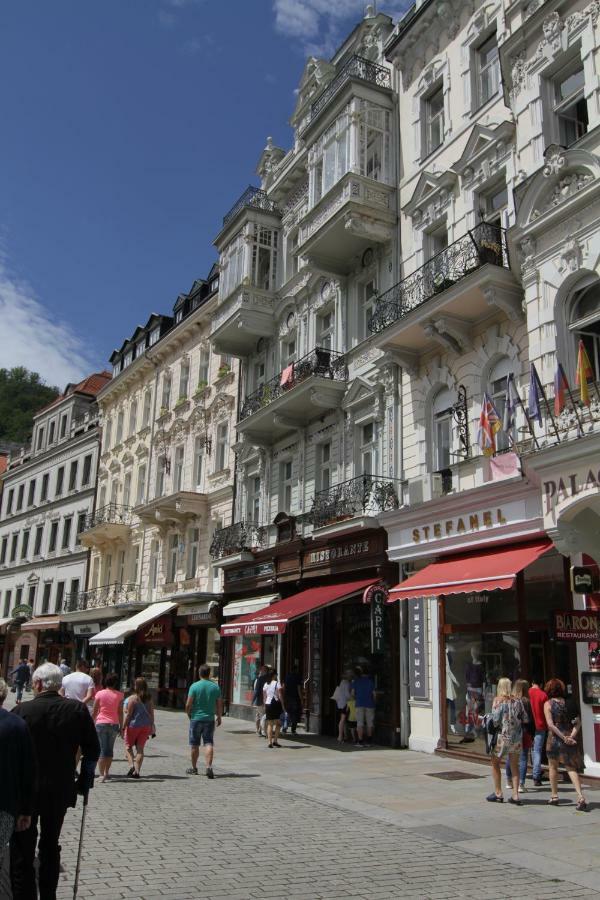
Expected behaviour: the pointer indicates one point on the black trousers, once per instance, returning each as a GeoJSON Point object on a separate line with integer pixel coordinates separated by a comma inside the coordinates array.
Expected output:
{"type": "Point", "coordinates": [48, 821]}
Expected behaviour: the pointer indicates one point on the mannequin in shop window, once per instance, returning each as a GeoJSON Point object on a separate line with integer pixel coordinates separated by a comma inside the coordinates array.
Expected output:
{"type": "Point", "coordinates": [474, 676]}
{"type": "Point", "coordinates": [451, 693]}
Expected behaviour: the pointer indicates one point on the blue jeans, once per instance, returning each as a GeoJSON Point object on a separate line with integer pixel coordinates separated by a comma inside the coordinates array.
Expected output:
{"type": "Point", "coordinates": [19, 692]}
{"type": "Point", "coordinates": [536, 753]}
{"type": "Point", "coordinates": [107, 735]}
{"type": "Point", "coordinates": [201, 731]}
{"type": "Point", "coordinates": [522, 766]}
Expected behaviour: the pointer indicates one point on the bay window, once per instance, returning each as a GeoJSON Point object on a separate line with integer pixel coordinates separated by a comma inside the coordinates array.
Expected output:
{"type": "Point", "coordinates": [264, 257]}
{"type": "Point", "coordinates": [374, 143]}
{"type": "Point", "coordinates": [233, 270]}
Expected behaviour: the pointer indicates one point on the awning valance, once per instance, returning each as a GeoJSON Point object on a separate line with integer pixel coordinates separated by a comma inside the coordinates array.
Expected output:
{"type": "Point", "coordinates": [117, 633]}
{"type": "Point", "coordinates": [482, 570]}
{"type": "Point", "coordinates": [42, 623]}
{"type": "Point", "coordinates": [252, 605]}
{"type": "Point", "coordinates": [274, 620]}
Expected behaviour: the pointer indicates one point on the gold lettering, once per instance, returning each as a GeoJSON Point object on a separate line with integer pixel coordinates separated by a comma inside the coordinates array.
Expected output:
{"type": "Point", "coordinates": [460, 526]}
{"type": "Point", "coordinates": [449, 526]}
{"type": "Point", "coordinates": [426, 532]}
{"type": "Point", "coordinates": [416, 536]}
{"type": "Point", "coordinates": [437, 530]}
{"type": "Point", "coordinates": [487, 518]}
{"type": "Point", "coordinates": [474, 522]}
{"type": "Point", "coordinates": [501, 519]}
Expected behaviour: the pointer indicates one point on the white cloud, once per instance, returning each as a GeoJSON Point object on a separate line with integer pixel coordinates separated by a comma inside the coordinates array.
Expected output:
{"type": "Point", "coordinates": [319, 26]}
{"type": "Point", "coordinates": [31, 336]}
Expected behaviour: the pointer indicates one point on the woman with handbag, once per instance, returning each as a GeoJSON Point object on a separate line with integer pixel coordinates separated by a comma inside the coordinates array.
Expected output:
{"type": "Point", "coordinates": [561, 746]}
{"type": "Point", "coordinates": [273, 697]}
{"type": "Point", "coordinates": [521, 692]}
{"type": "Point", "coordinates": [508, 716]}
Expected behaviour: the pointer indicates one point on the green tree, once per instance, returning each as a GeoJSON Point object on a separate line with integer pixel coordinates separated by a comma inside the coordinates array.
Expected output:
{"type": "Point", "coordinates": [22, 393]}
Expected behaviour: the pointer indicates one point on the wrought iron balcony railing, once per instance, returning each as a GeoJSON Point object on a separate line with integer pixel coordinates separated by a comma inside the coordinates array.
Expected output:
{"type": "Point", "coordinates": [486, 243]}
{"type": "Point", "coordinates": [105, 595]}
{"type": "Point", "coordinates": [362, 495]}
{"type": "Point", "coordinates": [355, 67]}
{"type": "Point", "coordinates": [236, 538]}
{"type": "Point", "coordinates": [320, 361]}
{"type": "Point", "coordinates": [109, 514]}
{"type": "Point", "coordinates": [254, 198]}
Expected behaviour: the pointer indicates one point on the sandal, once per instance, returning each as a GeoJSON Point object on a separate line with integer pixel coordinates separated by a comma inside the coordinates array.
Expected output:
{"type": "Point", "coordinates": [581, 805]}
{"type": "Point", "coordinates": [275, 744]}
{"type": "Point", "coordinates": [553, 801]}
{"type": "Point", "coordinates": [515, 802]}
{"type": "Point", "coordinates": [494, 798]}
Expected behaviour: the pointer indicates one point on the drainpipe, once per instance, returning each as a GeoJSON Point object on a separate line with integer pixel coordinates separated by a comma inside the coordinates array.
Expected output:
{"type": "Point", "coordinates": [152, 430]}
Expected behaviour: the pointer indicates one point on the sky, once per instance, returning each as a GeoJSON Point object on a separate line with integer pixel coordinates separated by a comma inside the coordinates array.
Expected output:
{"type": "Point", "coordinates": [130, 127]}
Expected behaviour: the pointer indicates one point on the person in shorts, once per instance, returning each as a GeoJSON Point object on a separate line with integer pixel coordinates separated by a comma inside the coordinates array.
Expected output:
{"type": "Point", "coordinates": [363, 689]}
{"type": "Point", "coordinates": [204, 708]}
{"type": "Point", "coordinates": [351, 719]}
{"type": "Point", "coordinates": [138, 725]}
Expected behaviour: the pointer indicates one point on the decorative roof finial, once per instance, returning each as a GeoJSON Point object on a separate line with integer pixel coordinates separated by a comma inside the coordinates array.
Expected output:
{"type": "Point", "coordinates": [370, 11]}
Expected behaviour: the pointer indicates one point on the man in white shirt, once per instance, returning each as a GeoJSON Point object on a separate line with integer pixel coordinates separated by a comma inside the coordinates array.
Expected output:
{"type": "Point", "coordinates": [78, 685]}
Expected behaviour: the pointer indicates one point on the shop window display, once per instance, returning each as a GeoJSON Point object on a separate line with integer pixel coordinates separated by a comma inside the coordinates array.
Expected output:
{"type": "Point", "coordinates": [245, 667]}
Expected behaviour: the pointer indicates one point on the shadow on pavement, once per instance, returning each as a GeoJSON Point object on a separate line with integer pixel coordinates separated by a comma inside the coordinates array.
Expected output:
{"type": "Point", "coordinates": [328, 743]}
{"type": "Point", "coordinates": [237, 775]}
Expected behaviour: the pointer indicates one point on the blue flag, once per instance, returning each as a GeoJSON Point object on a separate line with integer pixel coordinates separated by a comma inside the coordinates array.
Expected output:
{"type": "Point", "coordinates": [510, 407]}
{"type": "Point", "coordinates": [535, 395]}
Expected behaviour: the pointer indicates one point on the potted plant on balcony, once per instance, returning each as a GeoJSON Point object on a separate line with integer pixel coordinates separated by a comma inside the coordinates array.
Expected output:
{"type": "Point", "coordinates": [224, 370]}
{"type": "Point", "coordinates": [199, 392]}
{"type": "Point", "coordinates": [490, 252]}
{"type": "Point", "coordinates": [266, 396]}
{"type": "Point", "coordinates": [441, 281]}
{"type": "Point", "coordinates": [164, 411]}
{"type": "Point", "coordinates": [181, 402]}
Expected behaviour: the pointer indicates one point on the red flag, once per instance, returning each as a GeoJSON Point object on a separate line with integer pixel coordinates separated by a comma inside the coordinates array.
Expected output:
{"type": "Point", "coordinates": [489, 426]}
{"type": "Point", "coordinates": [560, 386]}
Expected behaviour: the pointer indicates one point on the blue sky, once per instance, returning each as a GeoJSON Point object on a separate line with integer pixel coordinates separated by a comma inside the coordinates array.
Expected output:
{"type": "Point", "coordinates": [129, 129]}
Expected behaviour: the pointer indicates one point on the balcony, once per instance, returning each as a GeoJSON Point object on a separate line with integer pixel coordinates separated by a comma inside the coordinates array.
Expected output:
{"type": "Point", "coordinates": [356, 213]}
{"type": "Point", "coordinates": [357, 68]}
{"type": "Point", "coordinates": [252, 198]}
{"type": "Point", "coordinates": [97, 598]}
{"type": "Point", "coordinates": [241, 540]}
{"type": "Point", "coordinates": [355, 503]}
{"type": "Point", "coordinates": [111, 522]}
{"type": "Point", "coordinates": [177, 508]}
{"type": "Point", "coordinates": [439, 303]}
{"type": "Point", "coordinates": [296, 395]}
{"type": "Point", "coordinates": [247, 315]}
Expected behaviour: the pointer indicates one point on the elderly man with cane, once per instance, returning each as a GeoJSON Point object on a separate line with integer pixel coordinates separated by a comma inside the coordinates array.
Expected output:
{"type": "Point", "coordinates": [59, 727]}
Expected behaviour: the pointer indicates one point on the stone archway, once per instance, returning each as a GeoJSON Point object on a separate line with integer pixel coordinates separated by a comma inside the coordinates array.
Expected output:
{"type": "Point", "coordinates": [577, 528]}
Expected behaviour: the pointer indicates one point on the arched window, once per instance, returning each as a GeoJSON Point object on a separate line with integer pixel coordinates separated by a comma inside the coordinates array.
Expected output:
{"type": "Point", "coordinates": [497, 390]}
{"type": "Point", "coordinates": [584, 322]}
{"type": "Point", "coordinates": [442, 431]}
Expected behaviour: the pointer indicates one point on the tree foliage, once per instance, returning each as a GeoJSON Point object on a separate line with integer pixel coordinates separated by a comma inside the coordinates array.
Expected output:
{"type": "Point", "coordinates": [22, 393]}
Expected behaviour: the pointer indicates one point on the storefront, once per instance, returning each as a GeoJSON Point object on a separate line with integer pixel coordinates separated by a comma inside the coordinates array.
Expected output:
{"type": "Point", "coordinates": [44, 639]}
{"type": "Point", "coordinates": [321, 626]}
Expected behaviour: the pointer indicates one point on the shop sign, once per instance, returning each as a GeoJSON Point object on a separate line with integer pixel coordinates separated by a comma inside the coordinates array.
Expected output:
{"type": "Point", "coordinates": [258, 571]}
{"type": "Point", "coordinates": [584, 580]}
{"type": "Point", "coordinates": [199, 618]}
{"type": "Point", "coordinates": [379, 596]}
{"type": "Point", "coordinates": [571, 484]}
{"type": "Point", "coordinates": [337, 553]}
{"type": "Point", "coordinates": [84, 630]}
{"type": "Point", "coordinates": [575, 625]}
{"type": "Point", "coordinates": [23, 611]}
{"type": "Point", "coordinates": [418, 650]}
{"type": "Point", "coordinates": [466, 524]}
{"type": "Point", "coordinates": [157, 633]}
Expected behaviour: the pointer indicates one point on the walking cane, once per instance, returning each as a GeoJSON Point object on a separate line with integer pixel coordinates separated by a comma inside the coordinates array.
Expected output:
{"type": "Point", "coordinates": [76, 884]}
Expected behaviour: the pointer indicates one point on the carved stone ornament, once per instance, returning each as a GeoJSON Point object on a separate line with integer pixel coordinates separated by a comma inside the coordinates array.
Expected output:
{"type": "Point", "coordinates": [567, 187]}
{"type": "Point", "coordinates": [571, 256]}
{"type": "Point", "coordinates": [554, 162]}
{"type": "Point", "coordinates": [552, 27]}
{"type": "Point", "coordinates": [519, 73]}
{"type": "Point", "coordinates": [532, 7]}
{"type": "Point", "coordinates": [527, 249]}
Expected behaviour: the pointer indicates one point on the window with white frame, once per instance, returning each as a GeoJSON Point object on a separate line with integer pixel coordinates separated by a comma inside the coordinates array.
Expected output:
{"type": "Point", "coordinates": [330, 156]}
{"type": "Point", "coordinates": [253, 499]}
{"type": "Point", "coordinates": [134, 564]}
{"type": "Point", "coordinates": [193, 550]}
{"type": "Point", "coordinates": [128, 358]}
{"type": "Point", "coordinates": [367, 305]}
{"type": "Point", "coordinates": [258, 374]}
{"type": "Point", "coordinates": [132, 418]}
{"type": "Point", "coordinates": [108, 434]}
{"type": "Point", "coordinates": [264, 257]}
{"type": "Point", "coordinates": [432, 109]}
{"type": "Point", "coordinates": [154, 336]}
{"type": "Point", "coordinates": [160, 476]}
{"type": "Point", "coordinates": [435, 241]}
{"type": "Point", "coordinates": [173, 551]}
{"type": "Point", "coordinates": [487, 66]}
{"type": "Point", "coordinates": [285, 486]}
{"type": "Point", "coordinates": [570, 105]}
{"type": "Point", "coordinates": [121, 567]}
{"type": "Point", "coordinates": [147, 409]}
{"type": "Point", "coordinates": [374, 143]}
{"type": "Point", "coordinates": [233, 269]}
{"type": "Point", "coordinates": [498, 385]}
{"type": "Point", "coordinates": [114, 491]}
{"type": "Point", "coordinates": [120, 419]}
{"type": "Point", "coordinates": [369, 449]}
{"type": "Point", "coordinates": [198, 461]}
{"type": "Point", "coordinates": [51, 432]}
{"type": "Point", "coordinates": [141, 485]}
{"type": "Point", "coordinates": [46, 597]}
{"type": "Point", "coordinates": [203, 367]}
{"type": "Point", "coordinates": [139, 348]}
{"type": "Point", "coordinates": [493, 203]}
{"type": "Point", "coordinates": [154, 562]}
{"type": "Point", "coordinates": [108, 569]}
{"type": "Point", "coordinates": [584, 323]}
{"type": "Point", "coordinates": [178, 469]}
{"type": "Point", "coordinates": [289, 350]}
{"type": "Point", "coordinates": [95, 572]}
{"type": "Point", "coordinates": [184, 380]}
{"type": "Point", "coordinates": [442, 430]}
{"type": "Point", "coordinates": [222, 446]}
{"type": "Point", "coordinates": [165, 402]}
{"type": "Point", "coordinates": [127, 489]}
{"type": "Point", "coordinates": [102, 496]}
{"type": "Point", "coordinates": [325, 325]}
{"type": "Point", "coordinates": [324, 466]}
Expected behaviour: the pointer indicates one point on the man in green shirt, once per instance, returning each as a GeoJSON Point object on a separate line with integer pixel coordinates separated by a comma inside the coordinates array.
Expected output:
{"type": "Point", "coordinates": [203, 701]}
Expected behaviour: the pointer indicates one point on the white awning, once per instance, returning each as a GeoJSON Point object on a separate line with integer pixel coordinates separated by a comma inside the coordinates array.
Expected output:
{"type": "Point", "coordinates": [116, 634]}
{"type": "Point", "coordinates": [252, 604]}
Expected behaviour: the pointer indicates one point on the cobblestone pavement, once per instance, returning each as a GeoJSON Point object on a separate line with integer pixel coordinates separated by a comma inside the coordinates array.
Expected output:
{"type": "Point", "coordinates": [247, 834]}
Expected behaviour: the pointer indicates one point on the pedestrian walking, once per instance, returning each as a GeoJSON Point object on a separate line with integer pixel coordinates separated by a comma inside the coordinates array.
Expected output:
{"type": "Point", "coordinates": [520, 691]}
{"type": "Point", "coordinates": [273, 700]}
{"type": "Point", "coordinates": [341, 695]}
{"type": "Point", "coordinates": [58, 727]}
{"type": "Point", "coordinates": [78, 685]}
{"type": "Point", "coordinates": [257, 699]}
{"type": "Point", "coordinates": [508, 716]}
{"type": "Point", "coordinates": [31, 666]}
{"type": "Point", "coordinates": [139, 725]}
{"type": "Point", "coordinates": [293, 701]}
{"type": "Point", "coordinates": [537, 699]}
{"type": "Point", "coordinates": [204, 708]}
{"type": "Point", "coordinates": [17, 765]}
{"type": "Point", "coordinates": [20, 677]}
{"type": "Point", "coordinates": [561, 745]}
{"type": "Point", "coordinates": [107, 713]}
{"type": "Point", "coordinates": [363, 690]}
{"type": "Point", "coordinates": [64, 667]}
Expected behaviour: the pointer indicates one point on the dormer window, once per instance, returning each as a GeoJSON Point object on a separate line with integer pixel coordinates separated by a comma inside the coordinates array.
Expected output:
{"type": "Point", "coordinates": [128, 359]}
{"type": "Point", "coordinates": [178, 316]}
{"type": "Point", "coordinates": [139, 348]}
{"type": "Point", "coordinates": [154, 336]}
{"type": "Point", "coordinates": [116, 368]}
{"type": "Point", "coordinates": [214, 285]}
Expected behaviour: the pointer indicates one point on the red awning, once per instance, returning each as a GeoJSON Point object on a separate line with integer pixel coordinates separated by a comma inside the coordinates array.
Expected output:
{"type": "Point", "coordinates": [481, 570]}
{"type": "Point", "coordinates": [274, 619]}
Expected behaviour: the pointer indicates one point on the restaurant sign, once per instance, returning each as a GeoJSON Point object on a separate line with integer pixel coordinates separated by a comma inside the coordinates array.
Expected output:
{"type": "Point", "coordinates": [378, 597]}
{"type": "Point", "coordinates": [338, 552]}
{"type": "Point", "coordinates": [576, 625]}
{"type": "Point", "coordinates": [157, 633]}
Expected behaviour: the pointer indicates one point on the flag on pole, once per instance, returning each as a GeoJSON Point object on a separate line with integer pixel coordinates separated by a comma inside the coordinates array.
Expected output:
{"type": "Point", "coordinates": [584, 373]}
{"type": "Point", "coordinates": [536, 393]}
{"type": "Point", "coordinates": [489, 426]}
{"type": "Point", "coordinates": [510, 407]}
{"type": "Point", "coordinates": [560, 386]}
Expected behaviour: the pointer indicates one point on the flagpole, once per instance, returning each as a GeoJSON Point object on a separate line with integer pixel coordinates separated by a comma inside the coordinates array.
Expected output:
{"type": "Point", "coordinates": [543, 390]}
{"type": "Point", "coordinates": [527, 419]}
{"type": "Point", "coordinates": [576, 411]}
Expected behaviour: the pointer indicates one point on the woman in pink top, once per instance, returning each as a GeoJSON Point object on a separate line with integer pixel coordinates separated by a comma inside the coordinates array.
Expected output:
{"type": "Point", "coordinates": [108, 716]}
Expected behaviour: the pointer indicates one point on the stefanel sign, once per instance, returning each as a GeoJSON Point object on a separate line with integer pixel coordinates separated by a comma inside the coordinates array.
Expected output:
{"type": "Point", "coordinates": [157, 634]}
{"type": "Point", "coordinates": [576, 625]}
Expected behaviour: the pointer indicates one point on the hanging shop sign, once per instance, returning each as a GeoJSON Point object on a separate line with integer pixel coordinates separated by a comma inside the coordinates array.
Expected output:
{"type": "Point", "coordinates": [157, 634]}
{"type": "Point", "coordinates": [87, 629]}
{"type": "Point", "coordinates": [378, 598]}
{"type": "Point", "coordinates": [418, 650]}
{"type": "Point", "coordinates": [575, 625]}
{"type": "Point", "coordinates": [584, 580]}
